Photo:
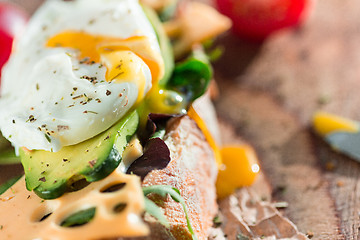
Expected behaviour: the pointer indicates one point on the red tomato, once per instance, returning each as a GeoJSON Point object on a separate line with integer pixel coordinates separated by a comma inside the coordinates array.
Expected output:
{"type": "Point", "coordinates": [256, 19]}
{"type": "Point", "coordinates": [12, 21]}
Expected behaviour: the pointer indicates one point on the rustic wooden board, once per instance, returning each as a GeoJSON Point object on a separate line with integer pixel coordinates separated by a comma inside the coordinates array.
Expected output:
{"type": "Point", "coordinates": [269, 92]}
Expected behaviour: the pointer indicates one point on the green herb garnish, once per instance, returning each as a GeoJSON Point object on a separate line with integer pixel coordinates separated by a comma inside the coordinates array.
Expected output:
{"type": "Point", "coordinates": [192, 76]}
{"type": "Point", "coordinates": [155, 211]}
{"type": "Point", "coordinates": [174, 193]}
{"type": "Point", "coordinates": [47, 138]}
{"type": "Point", "coordinates": [79, 218]}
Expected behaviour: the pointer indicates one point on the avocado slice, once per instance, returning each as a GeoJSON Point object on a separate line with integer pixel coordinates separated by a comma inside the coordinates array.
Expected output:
{"type": "Point", "coordinates": [50, 174]}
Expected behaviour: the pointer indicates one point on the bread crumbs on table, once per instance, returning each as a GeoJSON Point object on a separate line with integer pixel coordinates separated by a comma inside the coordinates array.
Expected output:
{"type": "Point", "coordinates": [330, 166]}
{"type": "Point", "coordinates": [340, 183]}
{"type": "Point", "coordinates": [310, 234]}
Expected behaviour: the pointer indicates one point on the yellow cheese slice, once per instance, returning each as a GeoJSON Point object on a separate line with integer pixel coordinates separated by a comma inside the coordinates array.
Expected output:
{"type": "Point", "coordinates": [21, 211]}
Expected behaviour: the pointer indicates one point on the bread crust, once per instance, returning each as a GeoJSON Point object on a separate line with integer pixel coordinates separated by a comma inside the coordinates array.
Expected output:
{"type": "Point", "coordinates": [193, 171]}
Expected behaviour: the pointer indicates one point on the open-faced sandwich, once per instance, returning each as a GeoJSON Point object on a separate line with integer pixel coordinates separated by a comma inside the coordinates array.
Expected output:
{"type": "Point", "coordinates": [116, 138]}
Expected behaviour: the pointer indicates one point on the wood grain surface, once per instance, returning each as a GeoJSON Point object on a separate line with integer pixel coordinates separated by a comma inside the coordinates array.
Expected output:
{"type": "Point", "coordinates": [268, 93]}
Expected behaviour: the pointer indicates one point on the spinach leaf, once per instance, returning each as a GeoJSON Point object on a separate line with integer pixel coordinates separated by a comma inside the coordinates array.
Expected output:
{"type": "Point", "coordinates": [192, 76]}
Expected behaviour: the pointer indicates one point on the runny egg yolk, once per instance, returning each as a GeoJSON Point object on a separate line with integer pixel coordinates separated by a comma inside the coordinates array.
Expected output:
{"type": "Point", "coordinates": [124, 65]}
{"type": "Point", "coordinates": [209, 138]}
{"type": "Point", "coordinates": [240, 168]}
{"type": "Point", "coordinates": [122, 57]}
{"type": "Point", "coordinates": [238, 165]}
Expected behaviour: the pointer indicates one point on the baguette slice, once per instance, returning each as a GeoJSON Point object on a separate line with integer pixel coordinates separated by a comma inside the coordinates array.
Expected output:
{"type": "Point", "coordinates": [193, 171]}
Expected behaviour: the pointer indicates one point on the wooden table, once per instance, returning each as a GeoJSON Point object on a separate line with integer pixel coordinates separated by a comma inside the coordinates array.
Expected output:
{"type": "Point", "coordinates": [269, 92]}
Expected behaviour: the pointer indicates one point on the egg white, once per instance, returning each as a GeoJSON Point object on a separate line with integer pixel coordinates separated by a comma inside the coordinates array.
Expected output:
{"type": "Point", "coordinates": [44, 90]}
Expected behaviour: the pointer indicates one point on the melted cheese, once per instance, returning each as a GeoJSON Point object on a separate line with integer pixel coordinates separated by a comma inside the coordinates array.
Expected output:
{"type": "Point", "coordinates": [21, 212]}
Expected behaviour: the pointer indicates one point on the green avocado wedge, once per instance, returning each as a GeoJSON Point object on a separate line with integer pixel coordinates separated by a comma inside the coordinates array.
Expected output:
{"type": "Point", "coordinates": [50, 174]}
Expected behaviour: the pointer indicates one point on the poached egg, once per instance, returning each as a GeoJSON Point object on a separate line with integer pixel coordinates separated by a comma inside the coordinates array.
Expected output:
{"type": "Point", "coordinates": [79, 67]}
